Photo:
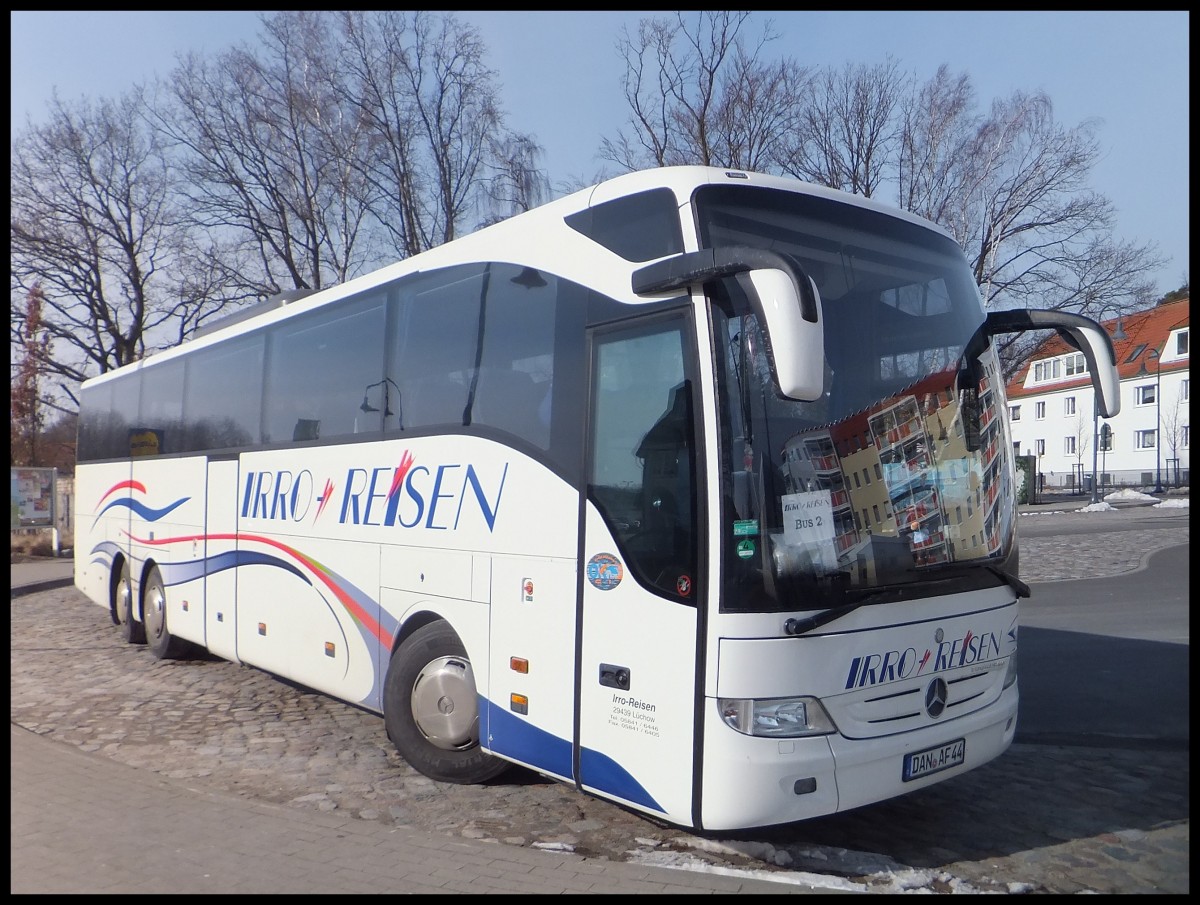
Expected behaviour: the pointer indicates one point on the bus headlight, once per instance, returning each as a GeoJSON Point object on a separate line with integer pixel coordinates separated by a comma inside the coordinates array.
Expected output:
{"type": "Point", "coordinates": [1011, 675]}
{"type": "Point", "coordinates": [776, 717]}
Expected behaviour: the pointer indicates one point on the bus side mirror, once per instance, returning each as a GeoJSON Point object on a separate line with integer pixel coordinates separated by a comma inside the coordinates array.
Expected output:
{"type": "Point", "coordinates": [783, 296]}
{"type": "Point", "coordinates": [1081, 333]}
{"type": "Point", "coordinates": [796, 345]}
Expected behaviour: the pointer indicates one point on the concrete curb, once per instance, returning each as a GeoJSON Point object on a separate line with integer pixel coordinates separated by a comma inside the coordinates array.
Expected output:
{"type": "Point", "coordinates": [39, 586]}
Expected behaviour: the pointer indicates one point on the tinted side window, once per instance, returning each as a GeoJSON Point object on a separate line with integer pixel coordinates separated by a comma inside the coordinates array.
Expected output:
{"type": "Point", "coordinates": [222, 402]}
{"type": "Point", "coordinates": [159, 427]}
{"type": "Point", "coordinates": [639, 227]}
{"type": "Point", "coordinates": [515, 379]}
{"type": "Point", "coordinates": [643, 473]}
{"type": "Point", "coordinates": [435, 348]}
{"type": "Point", "coordinates": [102, 429]}
{"type": "Point", "coordinates": [323, 373]}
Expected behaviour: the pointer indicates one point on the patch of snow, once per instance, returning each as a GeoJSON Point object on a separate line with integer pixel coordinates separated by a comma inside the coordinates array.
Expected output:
{"type": "Point", "coordinates": [686, 861]}
{"type": "Point", "coordinates": [1173, 503]}
{"type": "Point", "coordinates": [1128, 495]}
{"type": "Point", "coordinates": [903, 880]}
{"type": "Point", "coordinates": [554, 846]}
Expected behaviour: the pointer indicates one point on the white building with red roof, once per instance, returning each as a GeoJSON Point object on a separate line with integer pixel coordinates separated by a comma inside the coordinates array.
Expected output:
{"type": "Point", "coordinates": [1051, 411]}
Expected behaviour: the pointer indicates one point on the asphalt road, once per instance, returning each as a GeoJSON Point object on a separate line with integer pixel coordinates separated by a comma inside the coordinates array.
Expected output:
{"type": "Point", "coordinates": [1105, 661]}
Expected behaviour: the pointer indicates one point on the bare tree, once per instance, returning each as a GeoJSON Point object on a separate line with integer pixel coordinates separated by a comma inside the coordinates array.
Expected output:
{"type": "Point", "coordinates": [937, 129]}
{"type": "Point", "coordinates": [518, 182]}
{"type": "Point", "coordinates": [420, 83]}
{"type": "Point", "coordinates": [25, 400]}
{"type": "Point", "coordinates": [94, 224]}
{"type": "Point", "coordinates": [265, 147]}
{"type": "Point", "coordinates": [847, 128]}
{"type": "Point", "coordinates": [696, 96]}
{"type": "Point", "coordinates": [1082, 435]}
{"type": "Point", "coordinates": [1035, 233]}
{"type": "Point", "coordinates": [1010, 186]}
{"type": "Point", "coordinates": [758, 114]}
{"type": "Point", "coordinates": [1175, 421]}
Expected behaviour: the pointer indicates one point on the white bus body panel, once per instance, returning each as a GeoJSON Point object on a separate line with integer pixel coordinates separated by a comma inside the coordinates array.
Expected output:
{"type": "Point", "coordinates": [871, 670]}
{"type": "Point", "coordinates": [637, 743]}
{"type": "Point", "coordinates": [102, 514]}
{"type": "Point", "coordinates": [220, 583]}
{"type": "Point", "coordinates": [167, 530]}
{"type": "Point", "coordinates": [533, 619]}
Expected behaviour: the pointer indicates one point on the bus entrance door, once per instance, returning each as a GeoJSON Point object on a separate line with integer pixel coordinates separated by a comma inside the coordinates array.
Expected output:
{"type": "Point", "coordinates": [637, 655]}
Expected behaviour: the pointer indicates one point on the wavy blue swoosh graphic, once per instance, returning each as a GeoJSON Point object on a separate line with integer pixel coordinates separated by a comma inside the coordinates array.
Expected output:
{"type": "Point", "coordinates": [174, 573]}
{"type": "Point", "coordinates": [104, 553]}
{"type": "Point", "coordinates": [150, 515]}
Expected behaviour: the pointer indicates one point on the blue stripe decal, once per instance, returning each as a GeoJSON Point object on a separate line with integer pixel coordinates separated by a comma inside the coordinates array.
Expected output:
{"type": "Point", "coordinates": [150, 515]}
{"type": "Point", "coordinates": [513, 737]}
{"type": "Point", "coordinates": [602, 772]}
{"type": "Point", "coordinates": [174, 573]}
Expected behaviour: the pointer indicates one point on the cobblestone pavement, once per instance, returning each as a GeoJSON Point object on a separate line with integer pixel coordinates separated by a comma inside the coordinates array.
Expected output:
{"type": "Point", "coordinates": [1136, 533]}
{"type": "Point", "coordinates": [1038, 819]}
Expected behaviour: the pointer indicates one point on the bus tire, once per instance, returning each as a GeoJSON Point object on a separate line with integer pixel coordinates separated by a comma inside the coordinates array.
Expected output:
{"type": "Point", "coordinates": [431, 708]}
{"type": "Point", "coordinates": [154, 618]}
{"type": "Point", "coordinates": [132, 631]}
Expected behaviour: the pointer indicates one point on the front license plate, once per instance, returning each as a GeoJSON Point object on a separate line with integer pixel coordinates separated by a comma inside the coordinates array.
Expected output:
{"type": "Point", "coordinates": [933, 760]}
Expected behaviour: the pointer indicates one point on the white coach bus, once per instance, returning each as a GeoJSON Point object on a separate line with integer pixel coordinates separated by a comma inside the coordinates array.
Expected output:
{"type": "Point", "coordinates": [693, 489]}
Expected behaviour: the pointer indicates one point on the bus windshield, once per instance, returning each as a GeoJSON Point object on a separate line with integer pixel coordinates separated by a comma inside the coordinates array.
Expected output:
{"type": "Point", "coordinates": [897, 482]}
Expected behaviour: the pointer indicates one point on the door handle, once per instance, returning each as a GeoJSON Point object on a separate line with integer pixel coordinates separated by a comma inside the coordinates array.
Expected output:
{"type": "Point", "coordinates": [614, 676]}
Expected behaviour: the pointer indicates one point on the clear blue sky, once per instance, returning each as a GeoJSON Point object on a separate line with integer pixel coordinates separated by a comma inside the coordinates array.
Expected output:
{"type": "Point", "coordinates": [560, 74]}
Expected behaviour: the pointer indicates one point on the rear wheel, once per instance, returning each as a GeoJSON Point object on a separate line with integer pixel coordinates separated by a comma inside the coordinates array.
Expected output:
{"type": "Point", "coordinates": [154, 617]}
{"type": "Point", "coordinates": [132, 631]}
{"type": "Point", "coordinates": [431, 708]}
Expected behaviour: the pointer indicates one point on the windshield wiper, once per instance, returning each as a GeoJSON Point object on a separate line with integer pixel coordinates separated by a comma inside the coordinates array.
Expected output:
{"type": "Point", "coordinates": [801, 626]}
{"type": "Point", "coordinates": [1012, 581]}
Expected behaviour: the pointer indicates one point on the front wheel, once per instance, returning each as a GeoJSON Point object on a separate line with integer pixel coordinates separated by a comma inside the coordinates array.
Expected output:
{"type": "Point", "coordinates": [431, 708]}
{"type": "Point", "coordinates": [154, 617]}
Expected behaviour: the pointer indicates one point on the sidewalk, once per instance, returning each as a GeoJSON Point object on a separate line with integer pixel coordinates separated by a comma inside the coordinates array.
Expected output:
{"type": "Point", "coordinates": [87, 824]}
{"type": "Point", "coordinates": [41, 575]}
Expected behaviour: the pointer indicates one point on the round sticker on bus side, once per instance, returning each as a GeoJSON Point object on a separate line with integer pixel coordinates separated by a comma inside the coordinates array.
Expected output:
{"type": "Point", "coordinates": [604, 571]}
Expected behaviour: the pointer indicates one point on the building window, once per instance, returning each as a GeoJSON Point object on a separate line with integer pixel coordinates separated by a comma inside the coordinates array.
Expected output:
{"type": "Point", "coordinates": [1039, 372]}
{"type": "Point", "coordinates": [1069, 405]}
{"type": "Point", "coordinates": [1076, 364]}
{"type": "Point", "coordinates": [1183, 390]}
{"type": "Point", "coordinates": [1183, 436]}
{"type": "Point", "coordinates": [1014, 412]}
{"type": "Point", "coordinates": [1039, 410]}
{"type": "Point", "coordinates": [1040, 447]}
{"type": "Point", "coordinates": [1145, 395]}
{"type": "Point", "coordinates": [1181, 343]}
{"type": "Point", "coordinates": [1069, 445]}
{"type": "Point", "coordinates": [1146, 439]}
{"type": "Point", "coordinates": [1137, 350]}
